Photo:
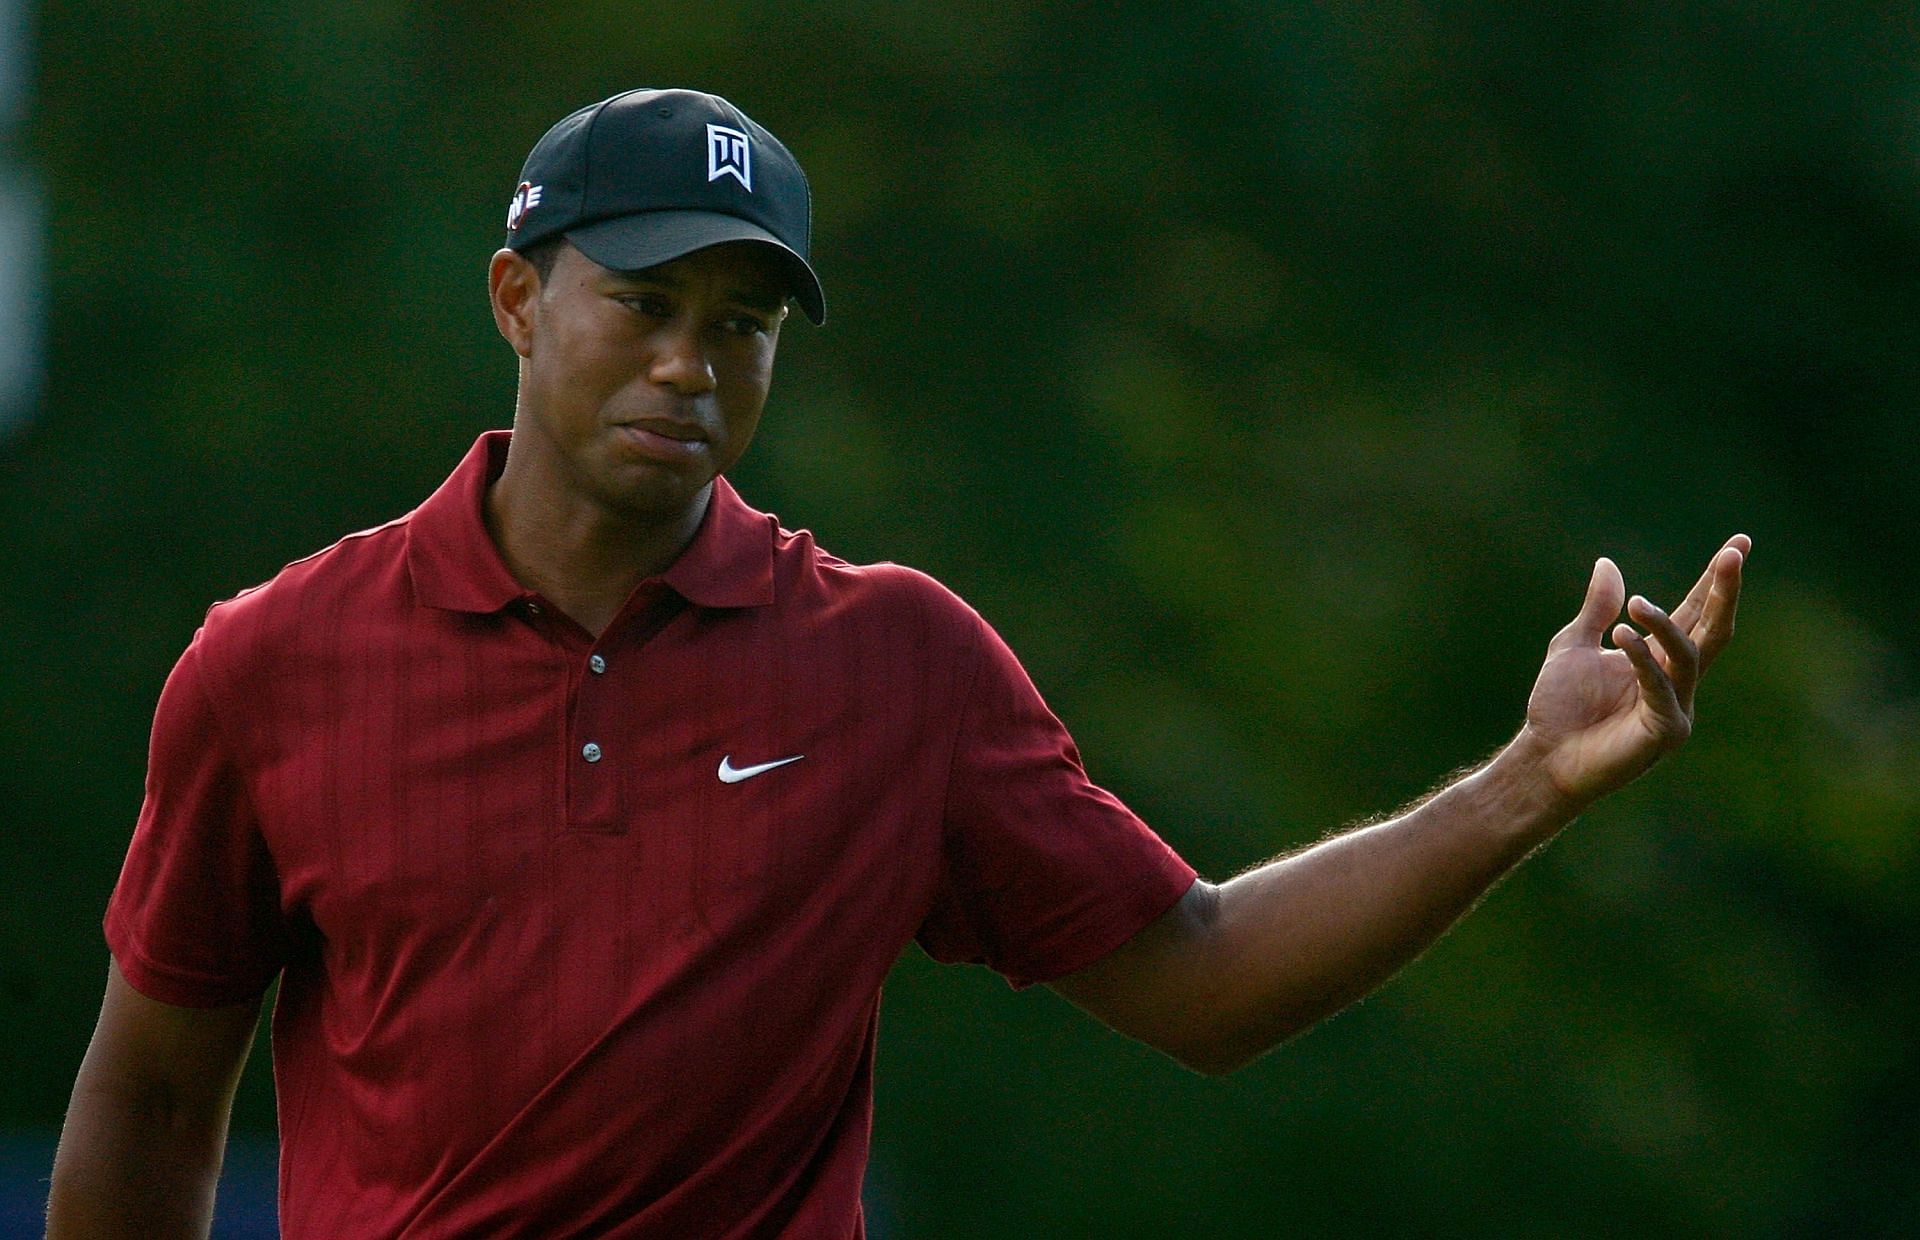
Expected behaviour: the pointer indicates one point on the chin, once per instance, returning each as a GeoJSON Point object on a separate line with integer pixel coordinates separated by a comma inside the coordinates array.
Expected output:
{"type": "Point", "coordinates": [660, 497]}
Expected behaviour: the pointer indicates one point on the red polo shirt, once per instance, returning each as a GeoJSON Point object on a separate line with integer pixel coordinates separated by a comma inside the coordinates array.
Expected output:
{"type": "Point", "coordinates": [586, 937]}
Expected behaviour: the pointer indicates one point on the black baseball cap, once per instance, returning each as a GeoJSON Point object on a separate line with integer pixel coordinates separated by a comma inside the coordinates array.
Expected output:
{"type": "Point", "coordinates": [650, 175]}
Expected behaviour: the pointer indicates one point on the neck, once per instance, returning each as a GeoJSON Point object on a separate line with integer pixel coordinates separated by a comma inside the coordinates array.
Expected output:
{"type": "Point", "coordinates": [582, 557]}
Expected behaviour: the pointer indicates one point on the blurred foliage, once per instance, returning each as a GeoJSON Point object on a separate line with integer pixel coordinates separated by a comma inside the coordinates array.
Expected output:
{"type": "Point", "coordinates": [1269, 375]}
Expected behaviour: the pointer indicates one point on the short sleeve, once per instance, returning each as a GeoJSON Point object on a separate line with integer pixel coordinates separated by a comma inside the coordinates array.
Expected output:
{"type": "Point", "coordinates": [1044, 872]}
{"type": "Point", "coordinates": [195, 918]}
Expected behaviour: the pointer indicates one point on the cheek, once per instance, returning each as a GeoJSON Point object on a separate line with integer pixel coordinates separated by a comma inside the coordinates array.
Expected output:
{"type": "Point", "coordinates": [741, 404]}
{"type": "Point", "coordinates": [742, 385]}
{"type": "Point", "coordinates": [581, 372]}
{"type": "Point", "coordinates": [741, 424]}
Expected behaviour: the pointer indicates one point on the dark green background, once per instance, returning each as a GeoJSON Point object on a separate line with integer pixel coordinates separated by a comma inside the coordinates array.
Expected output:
{"type": "Point", "coordinates": [1270, 376]}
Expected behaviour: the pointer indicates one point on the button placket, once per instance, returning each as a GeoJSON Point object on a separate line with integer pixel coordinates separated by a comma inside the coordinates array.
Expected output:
{"type": "Point", "coordinates": [597, 664]}
{"type": "Point", "coordinates": [598, 763]}
{"type": "Point", "coordinates": [603, 763]}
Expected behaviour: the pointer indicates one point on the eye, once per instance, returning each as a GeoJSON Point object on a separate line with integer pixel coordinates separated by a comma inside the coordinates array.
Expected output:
{"type": "Point", "coordinates": [653, 305]}
{"type": "Point", "coordinates": [745, 325]}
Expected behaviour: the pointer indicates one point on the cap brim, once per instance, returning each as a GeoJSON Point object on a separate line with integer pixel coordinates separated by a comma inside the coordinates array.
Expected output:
{"type": "Point", "coordinates": [649, 238]}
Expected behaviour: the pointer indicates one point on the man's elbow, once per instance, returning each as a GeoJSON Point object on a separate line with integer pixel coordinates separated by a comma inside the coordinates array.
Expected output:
{"type": "Point", "coordinates": [1219, 1057]}
{"type": "Point", "coordinates": [1215, 1028]}
{"type": "Point", "coordinates": [1207, 1064]}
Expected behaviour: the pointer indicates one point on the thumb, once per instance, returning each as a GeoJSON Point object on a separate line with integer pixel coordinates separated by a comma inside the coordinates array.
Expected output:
{"type": "Point", "coordinates": [1606, 595]}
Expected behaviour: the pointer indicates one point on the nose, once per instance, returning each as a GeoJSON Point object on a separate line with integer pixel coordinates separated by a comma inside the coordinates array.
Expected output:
{"type": "Point", "coordinates": [680, 361]}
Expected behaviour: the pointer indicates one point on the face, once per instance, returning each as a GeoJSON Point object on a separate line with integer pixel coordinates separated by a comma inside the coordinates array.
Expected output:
{"type": "Point", "coordinates": [637, 388]}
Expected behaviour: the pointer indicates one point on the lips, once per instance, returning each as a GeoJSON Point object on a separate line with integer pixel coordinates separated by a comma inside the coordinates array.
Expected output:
{"type": "Point", "coordinates": [662, 439]}
{"type": "Point", "coordinates": [668, 428]}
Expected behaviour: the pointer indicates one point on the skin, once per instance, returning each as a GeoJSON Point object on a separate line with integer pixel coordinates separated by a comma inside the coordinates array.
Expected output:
{"type": "Point", "coordinates": [636, 390]}
{"type": "Point", "coordinates": [147, 1127]}
{"type": "Point", "coordinates": [1237, 968]}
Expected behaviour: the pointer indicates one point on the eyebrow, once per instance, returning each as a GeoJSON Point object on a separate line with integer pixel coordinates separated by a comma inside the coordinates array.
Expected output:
{"type": "Point", "coordinates": [758, 298]}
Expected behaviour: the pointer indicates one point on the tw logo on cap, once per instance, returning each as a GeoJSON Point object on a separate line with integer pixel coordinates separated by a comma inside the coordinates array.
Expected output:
{"type": "Point", "coordinates": [525, 199]}
{"type": "Point", "coordinates": [729, 155]}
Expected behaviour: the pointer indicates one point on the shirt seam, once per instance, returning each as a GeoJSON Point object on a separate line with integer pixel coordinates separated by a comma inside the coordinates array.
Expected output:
{"type": "Point", "coordinates": [210, 989]}
{"type": "Point", "coordinates": [960, 725]}
{"type": "Point", "coordinates": [247, 776]}
{"type": "Point", "coordinates": [953, 744]}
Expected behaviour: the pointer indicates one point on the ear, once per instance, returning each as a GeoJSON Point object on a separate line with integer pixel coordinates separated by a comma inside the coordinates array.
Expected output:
{"type": "Point", "coordinates": [514, 287]}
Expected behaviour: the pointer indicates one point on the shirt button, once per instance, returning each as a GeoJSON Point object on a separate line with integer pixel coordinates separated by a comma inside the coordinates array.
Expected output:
{"type": "Point", "coordinates": [598, 664]}
{"type": "Point", "coordinates": [590, 751]}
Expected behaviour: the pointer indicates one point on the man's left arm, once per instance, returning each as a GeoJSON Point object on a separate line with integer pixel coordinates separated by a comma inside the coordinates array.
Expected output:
{"type": "Point", "coordinates": [1235, 969]}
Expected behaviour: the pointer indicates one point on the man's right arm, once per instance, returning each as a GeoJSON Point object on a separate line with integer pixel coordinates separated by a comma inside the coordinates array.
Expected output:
{"type": "Point", "coordinates": [147, 1127]}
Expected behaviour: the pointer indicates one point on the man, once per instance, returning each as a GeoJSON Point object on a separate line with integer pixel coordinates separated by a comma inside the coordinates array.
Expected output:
{"type": "Point", "coordinates": [582, 811]}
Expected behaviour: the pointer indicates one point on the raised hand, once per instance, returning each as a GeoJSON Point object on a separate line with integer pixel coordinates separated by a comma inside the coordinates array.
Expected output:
{"type": "Point", "coordinates": [1598, 717]}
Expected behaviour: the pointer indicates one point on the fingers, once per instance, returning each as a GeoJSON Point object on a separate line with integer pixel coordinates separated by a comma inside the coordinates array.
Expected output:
{"type": "Point", "coordinates": [1656, 688]}
{"type": "Point", "coordinates": [1606, 590]}
{"type": "Point", "coordinates": [1688, 613]}
{"type": "Point", "coordinates": [1676, 652]}
{"type": "Point", "coordinates": [1715, 628]}
{"type": "Point", "coordinates": [1688, 640]}
{"type": "Point", "coordinates": [1707, 614]}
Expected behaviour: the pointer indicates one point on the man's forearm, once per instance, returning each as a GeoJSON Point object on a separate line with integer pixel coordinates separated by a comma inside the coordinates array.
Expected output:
{"type": "Point", "coordinates": [1233, 970]}
{"type": "Point", "coordinates": [1303, 936]}
{"type": "Point", "coordinates": [145, 1132]}
{"type": "Point", "coordinates": [133, 1167]}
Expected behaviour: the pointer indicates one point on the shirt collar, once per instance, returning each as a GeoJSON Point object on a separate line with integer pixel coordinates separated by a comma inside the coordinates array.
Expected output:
{"type": "Point", "coordinates": [729, 563]}
{"type": "Point", "coordinates": [456, 566]}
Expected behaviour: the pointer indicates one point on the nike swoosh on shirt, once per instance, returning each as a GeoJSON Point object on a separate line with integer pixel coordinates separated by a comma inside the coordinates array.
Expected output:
{"type": "Point", "coordinates": [731, 774]}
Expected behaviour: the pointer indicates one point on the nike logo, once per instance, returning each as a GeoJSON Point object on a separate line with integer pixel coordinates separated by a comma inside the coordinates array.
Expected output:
{"type": "Point", "coordinates": [731, 774]}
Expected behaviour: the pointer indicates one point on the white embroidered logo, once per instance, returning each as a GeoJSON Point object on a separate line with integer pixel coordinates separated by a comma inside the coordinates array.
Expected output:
{"type": "Point", "coordinates": [731, 774]}
{"type": "Point", "coordinates": [525, 199]}
{"type": "Point", "coordinates": [729, 154]}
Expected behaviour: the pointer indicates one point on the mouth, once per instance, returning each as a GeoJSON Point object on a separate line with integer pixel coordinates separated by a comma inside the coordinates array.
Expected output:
{"type": "Point", "coordinates": [667, 428]}
{"type": "Point", "coordinates": [662, 439]}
